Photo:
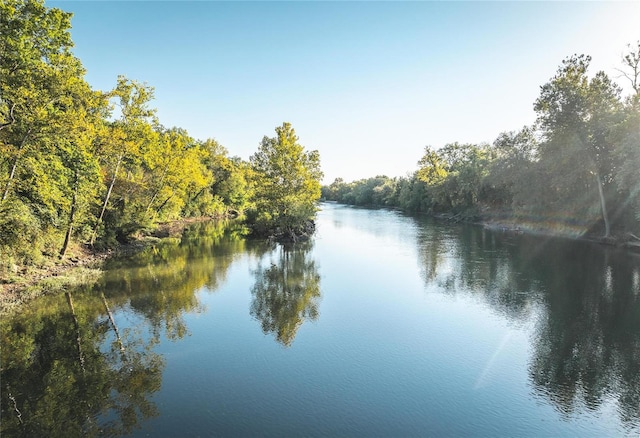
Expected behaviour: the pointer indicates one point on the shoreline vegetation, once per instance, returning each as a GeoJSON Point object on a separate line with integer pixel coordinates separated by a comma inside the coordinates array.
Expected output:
{"type": "Point", "coordinates": [522, 225]}
{"type": "Point", "coordinates": [85, 265]}
{"type": "Point", "coordinates": [84, 172]}
{"type": "Point", "coordinates": [572, 173]}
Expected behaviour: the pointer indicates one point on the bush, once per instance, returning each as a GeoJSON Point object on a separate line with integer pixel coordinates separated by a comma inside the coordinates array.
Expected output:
{"type": "Point", "coordinates": [21, 238]}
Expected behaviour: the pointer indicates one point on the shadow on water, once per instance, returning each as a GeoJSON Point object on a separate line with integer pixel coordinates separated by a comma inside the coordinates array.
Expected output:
{"type": "Point", "coordinates": [584, 299]}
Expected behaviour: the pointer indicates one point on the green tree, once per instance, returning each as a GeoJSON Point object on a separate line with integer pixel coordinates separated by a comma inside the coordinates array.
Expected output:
{"type": "Point", "coordinates": [286, 182]}
{"type": "Point", "coordinates": [577, 116]}
{"type": "Point", "coordinates": [175, 174]}
{"type": "Point", "coordinates": [512, 174]}
{"type": "Point", "coordinates": [127, 138]}
{"type": "Point", "coordinates": [454, 175]}
{"type": "Point", "coordinates": [432, 168]}
{"type": "Point", "coordinates": [230, 185]}
{"type": "Point", "coordinates": [628, 138]}
{"type": "Point", "coordinates": [82, 173]}
{"type": "Point", "coordinates": [47, 117]}
{"type": "Point", "coordinates": [36, 64]}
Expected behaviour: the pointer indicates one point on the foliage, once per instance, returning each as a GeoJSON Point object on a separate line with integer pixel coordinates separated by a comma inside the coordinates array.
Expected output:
{"type": "Point", "coordinates": [578, 164]}
{"type": "Point", "coordinates": [78, 164]}
{"type": "Point", "coordinates": [577, 116]}
{"type": "Point", "coordinates": [286, 184]}
{"type": "Point", "coordinates": [91, 166]}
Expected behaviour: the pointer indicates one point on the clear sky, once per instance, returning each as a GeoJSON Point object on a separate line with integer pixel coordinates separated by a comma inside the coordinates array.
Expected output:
{"type": "Point", "coordinates": [368, 84]}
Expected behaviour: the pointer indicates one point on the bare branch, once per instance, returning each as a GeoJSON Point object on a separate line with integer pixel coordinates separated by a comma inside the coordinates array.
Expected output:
{"type": "Point", "coordinates": [632, 61]}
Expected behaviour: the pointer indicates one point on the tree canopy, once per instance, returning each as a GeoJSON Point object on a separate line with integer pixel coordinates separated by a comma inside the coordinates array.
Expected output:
{"type": "Point", "coordinates": [286, 182]}
{"type": "Point", "coordinates": [574, 169]}
{"type": "Point", "coordinates": [79, 165]}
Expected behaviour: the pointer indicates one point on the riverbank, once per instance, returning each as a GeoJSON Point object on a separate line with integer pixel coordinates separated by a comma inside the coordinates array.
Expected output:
{"type": "Point", "coordinates": [285, 235]}
{"type": "Point", "coordinates": [82, 265]}
{"type": "Point", "coordinates": [545, 227]}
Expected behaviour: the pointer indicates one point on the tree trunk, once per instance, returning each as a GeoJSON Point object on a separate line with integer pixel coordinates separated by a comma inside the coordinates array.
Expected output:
{"type": "Point", "coordinates": [8, 185]}
{"type": "Point", "coordinates": [15, 405]}
{"type": "Point", "coordinates": [603, 207]}
{"type": "Point", "coordinates": [14, 167]}
{"type": "Point", "coordinates": [163, 204]}
{"type": "Point", "coordinates": [200, 192]}
{"type": "Point", "coordinates": [106, 201]}
{"type": "Point", "coordinates": [113, 323]}
{"type": "Point", "coordinates": [157, 192]}
{"type": "Point", "coordinates": [603, 202]}
{"type": "Point", "coordinates": [77, 327]}
{"type": "Point", "coordinates": [11, 116]}
{"type": "Point", "coordinates": [72, 214]}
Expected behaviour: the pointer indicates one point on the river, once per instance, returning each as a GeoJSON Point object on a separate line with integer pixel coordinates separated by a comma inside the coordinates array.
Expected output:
{"type": "Point", "coordinates": [382, 325]}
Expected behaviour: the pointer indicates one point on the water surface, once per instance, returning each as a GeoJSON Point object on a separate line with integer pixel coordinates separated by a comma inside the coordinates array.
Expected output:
{"type": "Point", "coordinates": [382, 325]}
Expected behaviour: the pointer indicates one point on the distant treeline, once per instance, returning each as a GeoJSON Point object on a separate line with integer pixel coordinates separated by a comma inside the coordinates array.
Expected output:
{"type": "Point", "coordinates": [579, 162]}
{"type": "Point", "coordinates": [91, 166]}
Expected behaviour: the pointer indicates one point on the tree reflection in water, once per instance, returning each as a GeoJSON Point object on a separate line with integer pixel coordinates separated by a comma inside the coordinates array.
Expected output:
{"type": "Point", "coordinates": [585, 298]}
{"type": "Point", "coordinates": [68, 369]}
{"type": "Point", "coordinates": [61, 378]}
{"type": "Point", "coordinates": [587, 349]}
{"type": "Point", "coordinates": [286, 292]}
{"type": "Point", "coordinates": [161, 282]}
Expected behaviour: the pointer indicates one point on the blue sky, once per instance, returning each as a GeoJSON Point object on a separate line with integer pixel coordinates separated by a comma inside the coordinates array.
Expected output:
{"type": "Point", "coordinates": [368, 84]}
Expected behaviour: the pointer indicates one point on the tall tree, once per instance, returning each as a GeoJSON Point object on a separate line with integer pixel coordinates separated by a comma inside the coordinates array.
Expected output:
{"type": "Point", "coordinates": [628, 136]}
{"type": "Point", "coordinates": [127, 135]}
{"type": "Point", "coordinates": [577, 115]}
{"type": "Point", "coordinates": [36, 67]}
{"type": "Point", "coordinates": [47, 117]}
{"type": "Point", "coordinates": [286, 183]}
{"type": "Point", "coordinates": [631, 67]}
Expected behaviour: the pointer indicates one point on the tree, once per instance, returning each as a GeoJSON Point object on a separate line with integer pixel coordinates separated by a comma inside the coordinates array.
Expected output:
{"type": "Point", "coordinates": [35, 65]}
{"type": "Point", "coordinates": [577, 116]}
{"type": "Point", "coordinates": [174, 173]}
{"type": "Point", "coordinates": [286, 182]}
{"type": "Point", "coordinates": [454, 175]}
{"type": "Point", "coordinates": [512, 174]}
{"type": "Point", "coordinates": [83, 173]}
{"type": "Point", "coordinates": [631, 63]}
{"type": "Point", "coordinates": [432, 168]}
{"type": "Point", "coordinates": [229, 185]}
{"type": "Point", "coordinates": [628, 139]}
{"type": "Point", "coordinates": [48, 114]}
{"type": "Point", "coordinates": [127, 135]}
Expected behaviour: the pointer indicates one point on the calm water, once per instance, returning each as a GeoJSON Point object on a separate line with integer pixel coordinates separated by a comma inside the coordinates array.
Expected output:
{"type": "Point", "coordinates": [383, 325]}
